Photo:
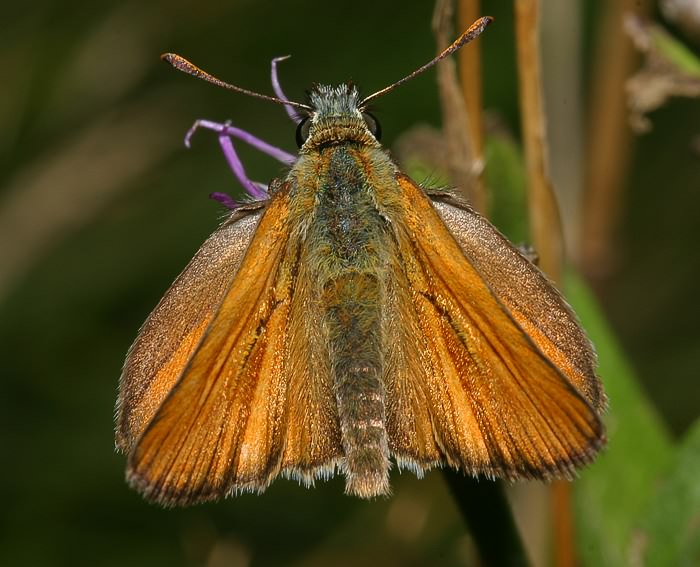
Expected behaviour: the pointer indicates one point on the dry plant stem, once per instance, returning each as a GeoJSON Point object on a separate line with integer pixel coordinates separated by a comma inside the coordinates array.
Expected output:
{"type": "Point", "coordinates": [608, 146]}
{"type": "Point", "coordinates": [563, 528]}
{"type": "Point", "coordinates": [543, 210]}
{"type": "Point", "coordinates": [469, 63]}
{"type": "Point", "coordinates": [464, 166]}
{"type": "Point", "coordinates": [544, 214]}
{"type": "Point", "coordinates": [561, 51]}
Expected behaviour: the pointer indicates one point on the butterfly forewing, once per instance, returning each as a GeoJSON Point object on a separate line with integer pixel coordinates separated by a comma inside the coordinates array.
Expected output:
{"type": "Point", "coordinates": [248, 405]}
{"type": "Point", "coordinates": [498, 404]}
{"type": "Point", "coordinates": [220, 423]}
{"type": "Point", "coordinates": [526, 293]}
{"type": "Point", "coordinates": [173, 330]}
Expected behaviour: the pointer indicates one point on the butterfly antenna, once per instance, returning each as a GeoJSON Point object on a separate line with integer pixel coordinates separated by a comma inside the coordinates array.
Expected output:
{"type": "Point", "coordinates": [182, 64]}
{"type": "Point", "coordinates": [473, 32]}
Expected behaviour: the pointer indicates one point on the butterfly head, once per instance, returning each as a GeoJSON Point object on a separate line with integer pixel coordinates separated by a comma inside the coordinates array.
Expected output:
{"type": "Point", "coordinates": [337, 116]}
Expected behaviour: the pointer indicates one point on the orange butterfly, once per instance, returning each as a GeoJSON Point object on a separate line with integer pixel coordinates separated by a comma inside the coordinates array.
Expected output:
{"type": "Point", "coordinates": [348, 319]}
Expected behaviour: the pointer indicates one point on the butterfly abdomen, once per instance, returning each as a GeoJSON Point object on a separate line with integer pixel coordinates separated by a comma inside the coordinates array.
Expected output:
{"type": "Point", "coordinates": [353, 338]}
{"type": "Point", "coordinates": [348, 233]}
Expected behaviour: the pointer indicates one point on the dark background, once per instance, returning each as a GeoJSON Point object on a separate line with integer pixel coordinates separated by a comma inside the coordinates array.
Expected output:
{"type": "Point", "coordinates": [101, 206]}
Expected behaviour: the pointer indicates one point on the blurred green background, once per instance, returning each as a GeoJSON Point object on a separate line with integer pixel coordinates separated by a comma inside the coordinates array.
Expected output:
{"type": "Point", "coordinates": [101, 206]}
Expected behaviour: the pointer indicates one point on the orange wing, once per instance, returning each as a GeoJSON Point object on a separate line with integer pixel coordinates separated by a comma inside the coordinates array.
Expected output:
{"type": "Point", "coordinates": [229, 422]}
{"type": "Point", "coordinates": [468, 383]}
{"type": "Point", "coordinates": [529, 296]}
{"type": "Point", "coordinates": [169, 336]}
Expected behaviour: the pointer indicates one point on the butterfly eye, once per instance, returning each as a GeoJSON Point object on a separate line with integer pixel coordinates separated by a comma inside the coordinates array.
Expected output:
{"type": "Point", "coordinates": [303, 131]}
{"type": "Point", "coordinates": [373, 125]}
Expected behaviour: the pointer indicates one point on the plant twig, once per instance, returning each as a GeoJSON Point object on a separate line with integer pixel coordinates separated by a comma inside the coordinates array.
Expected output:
{"type": "Point", "coordinates": [487, 513]}
{"type": "Point", "coordinates": [465, 167]}
{"type": "Point", "coordinates": [561, 51]}
{"type": "Point", "coordinates": [544, 213]}
{"type": "Point", "coordinates": [469, 64]}
{"type": "Point", "coordinates": [608, 146]}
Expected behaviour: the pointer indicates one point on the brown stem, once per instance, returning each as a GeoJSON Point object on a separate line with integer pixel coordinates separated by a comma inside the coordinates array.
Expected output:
{"type": "Point", "coordinates": [544, 214]}
{"type": "Point", "coordinates": [563, 525]}
{"type": "Point", "coordinates": [464, 166]}
{"type": "Point", "coordinates": [608, 147]}
{"type": "Point", "coordinates": [469, 64]}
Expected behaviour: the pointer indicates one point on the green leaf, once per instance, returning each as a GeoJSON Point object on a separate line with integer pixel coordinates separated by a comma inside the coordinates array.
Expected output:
{"type": "Point", "coordinates": [675, 52]}
{"type": "Point", "coordinates": [672, 533]}
{"type": "Point", "coordinates": [613, 494]}
{"type": "Point", "coordinates": [506, 183]}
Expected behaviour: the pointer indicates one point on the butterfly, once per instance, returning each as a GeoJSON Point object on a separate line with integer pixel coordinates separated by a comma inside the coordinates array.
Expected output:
{"type": "Point", "coordinates": [346, 320]}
